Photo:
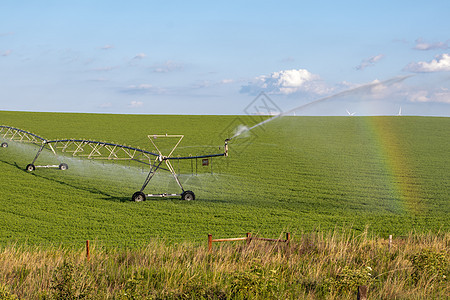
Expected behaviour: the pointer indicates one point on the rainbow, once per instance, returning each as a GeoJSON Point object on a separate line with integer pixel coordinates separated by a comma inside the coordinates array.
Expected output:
{"type": "Point", "coordinates": [400, 173]}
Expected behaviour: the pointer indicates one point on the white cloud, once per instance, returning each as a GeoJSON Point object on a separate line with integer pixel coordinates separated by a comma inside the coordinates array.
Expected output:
{"type": "Point", "coordinates": [441, 63]}
{"type": "Point", "coordinates": [369, 61]}
{"type": "Point", "coordinates": [202, 84]}
{"type": "Point", "coordinates": [346, 85]}
{"type": "Point", "coordinates": [384, 90]}
{"type": "Point", "coordinates": [107, 47]}
{"type": "Point", "coordinates": [441, 95]}
{"type": "Point", "coordinates": [377, 89]}
{"type": "Point", "coordinates": [143, 88]}
{"type": "Point", "coordinates": [419, 96]}
{"type": "Point", "coordinates": [136, 104]}
{"type": "Point", "coordinates": [287, 82]}
{"type": "Point", "coordinates": [226, 81]}
{"type": "Point", "coordinates": [140, 56]}
{"type": "Point", "coordinates": [6, 53]}
{"type": "Point", "coordinates": [421, 45]}
{"type": "Point", "coordinates": [168, 66]}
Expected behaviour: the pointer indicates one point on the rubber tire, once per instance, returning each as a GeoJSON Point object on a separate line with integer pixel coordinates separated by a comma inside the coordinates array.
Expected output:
{"type": "Point", "coordinates": [138, 197]}
{"type": "Point", "coordinates": [4, 145]}
{"type": "Point", "coordinates": [30, 168]}
{"type": "Point", "coordinates": [63, 166]}
{"type": "Point", "coordinates": [188, 195]}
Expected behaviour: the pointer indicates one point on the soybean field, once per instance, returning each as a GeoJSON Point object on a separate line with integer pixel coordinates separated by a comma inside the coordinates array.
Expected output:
{"type": "Point", "coordinates": [296, 174]}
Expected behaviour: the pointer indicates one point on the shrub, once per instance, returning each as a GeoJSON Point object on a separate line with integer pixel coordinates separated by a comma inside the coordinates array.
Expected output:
{"type": "Point", "coordinates": [5, 293]}
{"type": "Point", "coordinates": [254, 281]}
{"type": "Point", "coordinates": [70, 282]}
{"type": "Point", "coordinates": [430, 265]}
{"type": "Point", "coordinates": [349, 279]}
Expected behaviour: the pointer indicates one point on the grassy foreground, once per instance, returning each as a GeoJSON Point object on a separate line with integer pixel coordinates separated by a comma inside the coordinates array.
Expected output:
{"type": "Point", "coordinates": [318, 265]}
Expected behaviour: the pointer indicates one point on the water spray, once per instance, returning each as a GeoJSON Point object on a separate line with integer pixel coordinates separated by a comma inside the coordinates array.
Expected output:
{"type": "Point", "coordinates": [98, 150]}
{"type": "Point", "coordinates": [362, 88]}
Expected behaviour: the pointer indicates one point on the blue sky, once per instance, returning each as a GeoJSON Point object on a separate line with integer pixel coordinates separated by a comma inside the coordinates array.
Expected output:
{"type": "Point", "coordinates": [204, 57]}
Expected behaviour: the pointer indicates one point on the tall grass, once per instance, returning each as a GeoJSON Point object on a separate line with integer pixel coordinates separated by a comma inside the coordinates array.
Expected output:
{"type": "Point", "coordinates": [314, 265]}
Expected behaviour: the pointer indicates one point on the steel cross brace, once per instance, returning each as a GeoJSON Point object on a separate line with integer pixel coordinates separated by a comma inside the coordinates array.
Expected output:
{"type": "Point", "coordinates": [162, 158]}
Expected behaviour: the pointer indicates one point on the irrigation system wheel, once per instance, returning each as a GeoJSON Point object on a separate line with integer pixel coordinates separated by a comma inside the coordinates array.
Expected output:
{"type": "Point", "coordinates": [30, 168]}
{"type": "Point", "coordinates": [63, 166]}
{"type": "Point", "coordinates": [188, 195]}
{"type": "Point", "coordinates": [4, 145]}
{"type": "Point", "coordinates": [138, 197]}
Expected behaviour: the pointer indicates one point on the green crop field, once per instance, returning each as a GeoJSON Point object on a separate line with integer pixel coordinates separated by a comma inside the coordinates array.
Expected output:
{"type": "Point", "coordinates": [294, 174]}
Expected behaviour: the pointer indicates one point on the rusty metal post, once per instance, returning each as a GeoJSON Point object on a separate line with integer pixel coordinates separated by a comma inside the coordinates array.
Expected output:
{"type": "Point", "coordinates": [88, 255]}
{"type": "Point", "coordinates": [209, 242]}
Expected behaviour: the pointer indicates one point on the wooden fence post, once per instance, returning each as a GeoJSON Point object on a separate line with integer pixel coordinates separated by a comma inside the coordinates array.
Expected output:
{"type": "Point", "coordinates": [249, 238]}
{"type": "Point", "coordinates": [362, 292]}
{"type": "Point", "coordinates": [88, 256]}
{"type": "Point", "coordinates": [209, 242]}
{"type": "Point", "coordinates": [288, 242]}
{"type": "Point", "coordinates": [390, 242]}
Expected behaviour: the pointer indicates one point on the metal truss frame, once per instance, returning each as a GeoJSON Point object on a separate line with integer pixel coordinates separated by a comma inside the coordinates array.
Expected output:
{"type": "Point", "coordinates": [22, 136]}
{"type": "Point", "coordinates": [109, 151]}
{"type": "Point", "coordinates": [19, 135]}
{"type": "Point", "coordinates": [102, 150]}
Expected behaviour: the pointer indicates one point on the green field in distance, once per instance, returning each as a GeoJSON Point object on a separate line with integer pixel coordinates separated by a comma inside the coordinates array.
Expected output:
{"type": "Point", "coordinates": [294, 174]}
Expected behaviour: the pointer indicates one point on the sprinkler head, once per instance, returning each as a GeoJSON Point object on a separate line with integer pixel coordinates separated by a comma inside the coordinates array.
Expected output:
{"type": "Point", "coordinates": [226, 147]}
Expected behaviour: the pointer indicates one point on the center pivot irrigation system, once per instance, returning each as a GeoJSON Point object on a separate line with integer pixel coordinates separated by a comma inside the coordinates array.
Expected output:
{"type": "Point", "coordinates": [109, 151]}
